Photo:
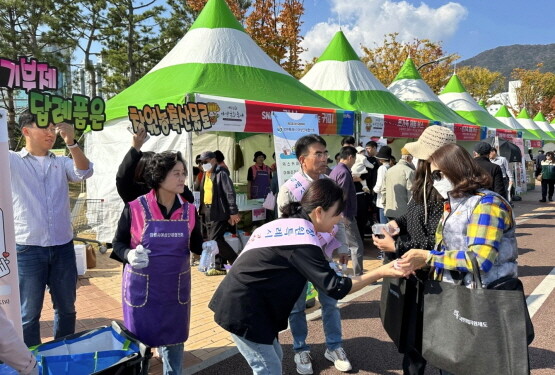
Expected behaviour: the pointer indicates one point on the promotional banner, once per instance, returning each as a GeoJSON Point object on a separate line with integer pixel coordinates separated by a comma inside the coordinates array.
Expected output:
{"type": "Point", "coordinates": [465, 132]}
{"type": "Point", "coordinates": [237, 115]}
{"type": "Point", "coordinates": [288, 128]}
{"type": "Point", "coordinates": [374, 126]}
{"type": "Point", "coordinates": [9, 286]}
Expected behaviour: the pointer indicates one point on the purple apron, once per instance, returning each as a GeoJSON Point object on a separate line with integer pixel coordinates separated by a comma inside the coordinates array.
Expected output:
{"type": "Point", "coordinates": [260, 185]}
{"type": "Point", "coordinates": [156, 299]}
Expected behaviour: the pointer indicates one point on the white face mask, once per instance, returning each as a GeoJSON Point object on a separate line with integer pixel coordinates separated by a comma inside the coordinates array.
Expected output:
{"type": "Point", "coordinates": [443, 186]}
{"type": "Point", "coordinates": [206, 167]}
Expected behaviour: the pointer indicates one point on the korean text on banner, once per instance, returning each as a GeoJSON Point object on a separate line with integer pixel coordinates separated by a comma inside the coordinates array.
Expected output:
{"type": "Point", "coordinates": [9, 286]}
{"type": "Point", "coordinates": [287, 129]}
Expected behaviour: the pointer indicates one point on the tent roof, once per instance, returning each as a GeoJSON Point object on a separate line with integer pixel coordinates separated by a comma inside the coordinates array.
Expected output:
{"type": "Point", "coordinates": [542, 123]}
{"type": "Point", "coordinates": [343, 79]}
{"type": "Point", "coordinates": [455, 96]}
{"type": "Point", "coordinates": [215, 57]}
{"type": "Point", "coordinates": [409, 86]}
{"type": "Point", "coordinates": [527, 123]}
{"type": "Point", "coordinates": [505, 116]}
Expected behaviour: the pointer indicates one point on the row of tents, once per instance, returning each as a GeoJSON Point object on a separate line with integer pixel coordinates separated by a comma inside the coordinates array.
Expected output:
{"type": "Point", "coordinates": [216, 58]}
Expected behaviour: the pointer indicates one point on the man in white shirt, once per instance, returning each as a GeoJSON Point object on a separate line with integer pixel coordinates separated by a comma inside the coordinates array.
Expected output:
{"type": "Point", "coordinates": [502, 162]}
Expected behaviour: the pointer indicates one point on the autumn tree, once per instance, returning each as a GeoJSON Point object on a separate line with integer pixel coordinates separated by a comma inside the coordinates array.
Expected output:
{"type": "Point", "coordinates": [238, 7]}
{"type": "Point", "coordinates": [290, 23]}
{"type": "Point", "coordinates": [385, 60]}
{"type": "Point", "coordinates": [262, 25]}
{"type": "Point", "coordinates": [480, 82]}
{"type": "Point", "coordinates": [536, 92]}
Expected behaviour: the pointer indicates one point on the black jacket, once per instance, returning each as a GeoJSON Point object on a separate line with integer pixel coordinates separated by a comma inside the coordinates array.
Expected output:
{"type": "Point", "coordinates": [256, 297]}
{"type": "Point", "coordinates": [128, 188]}
{"type": "Point", "coordinates": [223, 195]}
{"type": "Point", "coordinates": [498, 185]}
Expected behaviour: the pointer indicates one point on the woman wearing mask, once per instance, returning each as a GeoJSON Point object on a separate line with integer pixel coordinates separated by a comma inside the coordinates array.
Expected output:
{"type": "Point", "coordinates": [154, 238]}
{"type": "Point", "coordinates": [547, 171]}
{"type": "Point", "coordinates": [474, 220]}
{"type": "Point", "coordinates": [417, 230]}
{"type": "Point", "coordinates": [269, 275]}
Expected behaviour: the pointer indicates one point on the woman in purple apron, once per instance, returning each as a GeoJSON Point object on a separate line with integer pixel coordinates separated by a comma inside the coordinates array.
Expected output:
{"type": "Point", "coordinates": [155, 235]}
{"type": "Point", "coordinates": [254, 300]}
{"type": "Point", "coordinates": [258, 177]}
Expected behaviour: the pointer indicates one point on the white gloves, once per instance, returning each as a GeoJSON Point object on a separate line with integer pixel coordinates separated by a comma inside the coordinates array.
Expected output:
{"type": "Point", "coordinates": [138, 258]}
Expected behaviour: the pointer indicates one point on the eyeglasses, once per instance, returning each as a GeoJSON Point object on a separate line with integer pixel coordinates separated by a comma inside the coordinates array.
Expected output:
{"type": "Point", "coordinates": [320, 155]}
{"type": "Point", "coordinates": [437, 175]}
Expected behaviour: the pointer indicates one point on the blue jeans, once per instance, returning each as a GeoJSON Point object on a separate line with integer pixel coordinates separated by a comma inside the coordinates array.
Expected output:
{"type": "Point", "coordinates": [383, 218]}
{"type": "Point", "coordinates": [331, 318]}
{"type": "Point", "coordinates": [55, 267]}
{"type": "Point", "coordinates": [172, 358]}
{"type": "Point", "coordinates": [263, 359]}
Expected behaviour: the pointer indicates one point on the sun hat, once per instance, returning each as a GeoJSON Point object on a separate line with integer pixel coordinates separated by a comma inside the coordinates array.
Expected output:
{"type": "Point", "coordinates": [404, 151]}
{"type": "Point", "coordinates": [432, 138]}
{"type": "Point", "coordinates": [257, 154]}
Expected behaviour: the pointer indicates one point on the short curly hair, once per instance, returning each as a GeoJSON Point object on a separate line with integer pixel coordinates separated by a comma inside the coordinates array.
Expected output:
{"type": "Point", "coordinates": [159, 166]}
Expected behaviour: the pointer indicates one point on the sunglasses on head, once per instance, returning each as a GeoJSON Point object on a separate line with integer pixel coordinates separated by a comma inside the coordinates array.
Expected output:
{"type": "Point", "coordinates": [437, 175]}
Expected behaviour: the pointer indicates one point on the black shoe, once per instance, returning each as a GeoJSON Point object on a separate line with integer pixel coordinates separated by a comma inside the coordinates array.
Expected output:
{"type": "Point", "coordinates": [550, 199]}
{"type": "Point", "coordinates": [543, 200]}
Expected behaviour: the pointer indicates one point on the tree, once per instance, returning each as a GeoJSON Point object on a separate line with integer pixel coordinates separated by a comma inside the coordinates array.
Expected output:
{"type": "Point", "coordinates": [290, 29]}
{"type": "Point", "coordinates": [130, 43]}
{"type": "Point", "coordinates": [262, 25]}
{"type": "Point", "coordinates": [34, 29]}
{"type": "Point", "coordinates": [536, 92]}
{"type": "Point", "coordinates": [385, 61]}
{"type": "Point", "coordinates": [480, 82]}
{"type": "Point", "coordinates": [173, 28]}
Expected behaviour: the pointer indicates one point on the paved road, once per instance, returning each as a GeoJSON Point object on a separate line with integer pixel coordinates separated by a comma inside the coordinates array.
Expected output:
{"type": "Point", "coordinates": [372, 352]}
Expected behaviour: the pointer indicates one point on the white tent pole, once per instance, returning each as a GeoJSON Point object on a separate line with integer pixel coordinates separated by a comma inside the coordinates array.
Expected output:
{"type": "Point", "coordinates": [189, 142]}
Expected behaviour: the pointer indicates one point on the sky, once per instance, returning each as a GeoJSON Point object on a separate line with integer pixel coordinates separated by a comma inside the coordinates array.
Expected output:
{"type": "Point", "coordinates": [465, 27]}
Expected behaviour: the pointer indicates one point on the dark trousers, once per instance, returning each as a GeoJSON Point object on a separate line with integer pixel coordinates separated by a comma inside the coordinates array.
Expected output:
{"type": "Point", "coordinates": [547, 185]}
{"type": "Point", "coordinates": [216, 231]}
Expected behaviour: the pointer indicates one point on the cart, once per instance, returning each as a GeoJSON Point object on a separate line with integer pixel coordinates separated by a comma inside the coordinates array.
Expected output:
{"type": "Point", "coordinates": [108, 350]}
{"type": "Point", "coordinates": [86, 215]}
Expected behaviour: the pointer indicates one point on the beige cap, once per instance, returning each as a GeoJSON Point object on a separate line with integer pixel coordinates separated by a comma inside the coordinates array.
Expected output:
{"type": "Point", "coordinates": [432, 138]}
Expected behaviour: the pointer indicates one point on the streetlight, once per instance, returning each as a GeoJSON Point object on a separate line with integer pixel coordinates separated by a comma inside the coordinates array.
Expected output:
{"type": "Point", "coordinates": [435, 61]}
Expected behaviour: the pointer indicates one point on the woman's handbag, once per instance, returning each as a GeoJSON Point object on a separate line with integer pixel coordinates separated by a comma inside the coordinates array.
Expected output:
{"type": "Point", "coordinates": [392, 305]}
{"type": "Point", "coordinates": [475, 331]}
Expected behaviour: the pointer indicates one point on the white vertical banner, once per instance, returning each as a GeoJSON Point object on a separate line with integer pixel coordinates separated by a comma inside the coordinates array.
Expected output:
{"type": "Point", "coordinates": [9, 286]}
{"type": "Point", "coordinates": [288, 128]}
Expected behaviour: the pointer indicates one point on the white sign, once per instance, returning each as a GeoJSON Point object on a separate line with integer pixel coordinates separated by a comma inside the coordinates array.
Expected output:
{"type": "Point", "coordinates": [288, 128]}
{"type": "Point", "coordinates": [9, 286]}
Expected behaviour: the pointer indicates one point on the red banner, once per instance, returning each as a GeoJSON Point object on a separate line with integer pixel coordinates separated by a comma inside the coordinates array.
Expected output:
{"type": "Point", "coordinates": [259, 115]}
{"type": "Point", "coordinates": [535, 143]}
{"type": "Point", "coordinates": [403, 127]}
{"type": "Point", "coordinates": [465, 132]}
{"type": "Point", "coordinates": [506, 134]}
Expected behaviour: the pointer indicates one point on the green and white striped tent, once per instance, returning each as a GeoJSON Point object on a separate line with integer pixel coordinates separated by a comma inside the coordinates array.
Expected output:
{"type": "Point", "coordinates": [215, 57]}
{"type": "Point", "coordinates": [527, 123]}
{"type": "Point", "coordinates": [505, 117]}
{"type": "Point", "coordinates": [455, 96]}
{"type": "Point", "coordinates": [544, 125]}
{"type": "Point", "coordinates": [409, 86]}
{"type": "Point", "coordinates": [343, 79]}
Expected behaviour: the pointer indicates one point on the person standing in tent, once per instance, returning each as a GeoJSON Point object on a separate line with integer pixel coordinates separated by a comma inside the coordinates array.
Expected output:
{"type": "Point", "coordinates": [312, 155]}
{"type": "Point", "coordinates": [253, 302]}
{"type": "Point", "coordinates": [258, 177]}
{"type": "Point", "coordinates": [218, 205]}
{"type": "Point", "coordinates": [155, 235]}
{"type": "Point", "coordinates": [43, 233]}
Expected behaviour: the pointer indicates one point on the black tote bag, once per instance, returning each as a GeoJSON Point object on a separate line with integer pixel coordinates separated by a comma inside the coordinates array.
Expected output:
{"type": "Point", "coordinates": [392, 306]}
{"type": "Point", "coordinates": [475, 331]}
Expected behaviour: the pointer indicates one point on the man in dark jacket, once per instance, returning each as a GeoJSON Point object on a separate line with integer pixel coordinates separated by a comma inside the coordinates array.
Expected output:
{"type": "Point", "coordinates": [218, 205]}
{"type": "Point", "coordinates": [481, 156]}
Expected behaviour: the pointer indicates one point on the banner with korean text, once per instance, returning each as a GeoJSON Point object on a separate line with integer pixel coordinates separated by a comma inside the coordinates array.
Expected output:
{"type": "Point", "coordinates": [9, 286]}
{"type": "Point", "coordinates": [287, 129]}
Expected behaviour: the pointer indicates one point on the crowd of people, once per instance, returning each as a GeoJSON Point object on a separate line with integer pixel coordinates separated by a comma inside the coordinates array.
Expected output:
{"type": "Point", "coordinates": [327, 211]}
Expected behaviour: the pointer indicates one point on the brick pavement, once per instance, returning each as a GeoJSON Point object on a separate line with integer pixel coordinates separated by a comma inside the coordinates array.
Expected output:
{"type": "Point", "coordinates": [99, 302]}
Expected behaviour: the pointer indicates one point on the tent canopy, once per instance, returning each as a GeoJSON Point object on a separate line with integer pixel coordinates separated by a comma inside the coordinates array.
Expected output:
{"type": "Point", "coordinates": [505, 116]}
{"type": "Point", "coordinates": [409, 86]}
{"type": "Point", "coordinates": [342, 78]}
{"type": "Point", "coordinates": [542, 123]}
{"type": "Point", "coordinates": [455, 96]}
{"type": "Point", "coordinates": [529, 124]}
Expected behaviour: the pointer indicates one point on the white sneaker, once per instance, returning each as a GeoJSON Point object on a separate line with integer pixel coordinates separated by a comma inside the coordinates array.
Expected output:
{"type": "Point", "coordinates": [339, 359]}
{"type": "Point", "coordinates": [303, 362]}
